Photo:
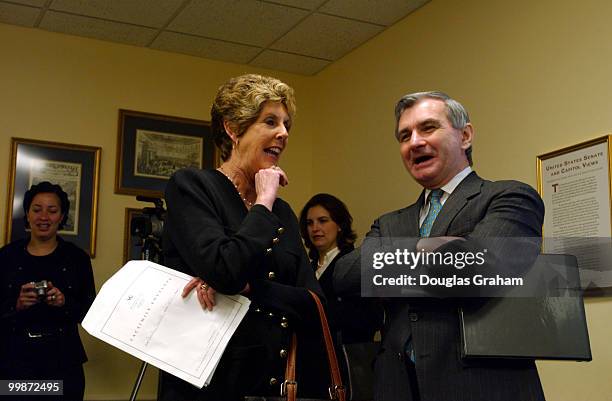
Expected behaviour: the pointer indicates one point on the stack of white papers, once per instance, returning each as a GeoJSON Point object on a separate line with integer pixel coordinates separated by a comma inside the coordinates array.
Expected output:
{"type": "Point", "coordinates": [140, 311]}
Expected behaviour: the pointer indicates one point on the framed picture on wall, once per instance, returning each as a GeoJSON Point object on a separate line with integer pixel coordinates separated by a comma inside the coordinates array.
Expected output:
{"type": "Point", "coordinates": [74, 167]}
{"type": "Point", "coordinates": [150, 147]}
{"type": "Point", "coordinates": [575, 185]}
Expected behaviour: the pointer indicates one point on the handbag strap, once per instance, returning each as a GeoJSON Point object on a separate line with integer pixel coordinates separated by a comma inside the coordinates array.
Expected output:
{"type": "Point", "coordinates": [289, 386]}
{"type": "Point", "coordinates": [336, 390]}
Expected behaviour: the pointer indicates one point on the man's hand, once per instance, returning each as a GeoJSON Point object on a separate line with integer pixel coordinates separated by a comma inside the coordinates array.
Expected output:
{"type": "Point", "coordinates": [430, 244]}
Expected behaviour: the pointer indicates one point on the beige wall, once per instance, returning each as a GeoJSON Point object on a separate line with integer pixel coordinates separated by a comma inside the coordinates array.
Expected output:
{"type": "Point", "coordinates": [534, 76]}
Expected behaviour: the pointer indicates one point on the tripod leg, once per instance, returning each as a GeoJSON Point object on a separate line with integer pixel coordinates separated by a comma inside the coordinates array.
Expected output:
{"type": "Point", "coordinates": [149, 244]}
{"type": "Point", "coordinates": [141, 374]}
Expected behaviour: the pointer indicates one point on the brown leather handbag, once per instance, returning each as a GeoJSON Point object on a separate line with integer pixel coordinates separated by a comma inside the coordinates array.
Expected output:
{"type": "Point", "coordinates": [289, 386]}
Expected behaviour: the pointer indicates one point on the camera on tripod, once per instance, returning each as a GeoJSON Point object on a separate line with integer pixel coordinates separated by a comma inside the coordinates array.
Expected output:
{"type": "Point", "coordinates": [147, 229]}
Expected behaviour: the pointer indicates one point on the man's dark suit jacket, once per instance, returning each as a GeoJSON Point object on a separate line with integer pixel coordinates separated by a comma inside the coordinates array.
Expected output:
{"type": "Point", "coordinates": [476, 209]}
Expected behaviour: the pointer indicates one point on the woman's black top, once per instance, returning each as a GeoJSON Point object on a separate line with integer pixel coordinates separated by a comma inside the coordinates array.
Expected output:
{"type": "Point", "coordinates": [211, 234]}
{"type": "Point", "coordinates": [43, 335]}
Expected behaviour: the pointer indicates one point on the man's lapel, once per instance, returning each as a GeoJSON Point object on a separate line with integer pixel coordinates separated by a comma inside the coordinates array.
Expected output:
{"type": "Point", "coordinates": [467, 189]}
{"type": "Point", "coordinates": [407, 223]}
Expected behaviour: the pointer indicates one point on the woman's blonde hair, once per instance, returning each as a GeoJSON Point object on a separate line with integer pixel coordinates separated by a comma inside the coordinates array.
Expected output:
{"type": "Point", "coordinates": [239, 102]}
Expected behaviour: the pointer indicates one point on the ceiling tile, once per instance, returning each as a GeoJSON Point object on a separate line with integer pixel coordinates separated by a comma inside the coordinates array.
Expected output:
{"type": "Point", "coordinates": [142, 12]}
{"type": "Point", "coordinates": [202, 47]}
{"type": "Point", "coordinates": [326, 37]}
{"type": "Point", "coordinates": [386, 11]}
{"type": "Point", "coordinates": [18, 15]}
{"type": "Point", "coordinates": [242, 21]}
{"type": "Point", "coordinates": [97, 29]}
{"type": "Point", "coordinates": [307, 4]}
{"type": "Point", "coordinates": [299, 36]}
{"type": "Point", "coordinates": [35, 3]}
{"type": "Point", "coordinates": [289, 62]}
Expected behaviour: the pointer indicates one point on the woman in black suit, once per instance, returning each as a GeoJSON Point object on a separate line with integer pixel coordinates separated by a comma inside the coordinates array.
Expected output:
{"type": "Point", "coordinates": [326, 227]}
{"type": "Point", "coordinates": [228, 229]}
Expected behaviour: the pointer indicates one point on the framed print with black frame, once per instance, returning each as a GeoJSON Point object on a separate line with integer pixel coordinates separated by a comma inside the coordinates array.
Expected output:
{"type": "Point", "coordinates": [150, 147]}
{"type": "Point", "coordinates": [75, 168]}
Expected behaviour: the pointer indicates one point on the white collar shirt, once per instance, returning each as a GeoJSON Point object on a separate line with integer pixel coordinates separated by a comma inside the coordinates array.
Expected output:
{"type": "Point", "coordinates": [327, 259]}
{"type": "Point", "coordinates": [447, 189]}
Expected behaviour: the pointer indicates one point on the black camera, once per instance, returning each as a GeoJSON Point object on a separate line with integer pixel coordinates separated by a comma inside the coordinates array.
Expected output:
{"type": "Point", "coordinates": [151, 223]}
{"type": "Point", "coordinates": [147, 229]}
{"type": "Point", "coordinates": [40, 287]}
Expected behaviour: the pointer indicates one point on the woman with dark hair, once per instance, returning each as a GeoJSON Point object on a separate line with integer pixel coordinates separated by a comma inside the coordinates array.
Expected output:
{"type": "Point", "coordinates": [46, 287]}
{"type": "Point", "coordinates": [325, 224]}
{"type": "Point", "coordinates": [326, 227]}
{"type": "Point", "coordinates": [228, 228]}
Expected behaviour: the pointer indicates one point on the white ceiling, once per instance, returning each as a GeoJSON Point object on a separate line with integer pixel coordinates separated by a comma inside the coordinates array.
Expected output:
{"type": "Point", "coordinates": [299, 36]}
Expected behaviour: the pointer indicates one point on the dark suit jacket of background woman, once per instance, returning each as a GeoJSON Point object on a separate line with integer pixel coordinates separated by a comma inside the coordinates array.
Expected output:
{"type": "Point", "coordinates": [352, 319]}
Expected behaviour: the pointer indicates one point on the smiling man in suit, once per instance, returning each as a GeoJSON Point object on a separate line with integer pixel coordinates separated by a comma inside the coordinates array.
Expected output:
{"type": "Point", "coordinates": [420, 358]}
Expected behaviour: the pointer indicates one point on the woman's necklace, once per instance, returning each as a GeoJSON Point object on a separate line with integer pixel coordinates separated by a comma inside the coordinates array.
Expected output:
{"type": "Point", "coordinates": [244, 199]}
{"type": "Point", "coordinates": [321, 261]}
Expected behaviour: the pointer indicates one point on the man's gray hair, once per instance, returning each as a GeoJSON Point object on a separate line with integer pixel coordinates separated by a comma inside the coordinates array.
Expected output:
{"type": "Point", "coordinates": [455, 112]}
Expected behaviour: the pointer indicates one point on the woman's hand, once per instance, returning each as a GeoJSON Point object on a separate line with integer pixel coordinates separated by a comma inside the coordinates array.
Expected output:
{"type": "Point", "coordinates": [267, 181]}
{"type": "Point", "coordinates": [54, 296]}
{"type": "Point", "coordinates": [27, 297]}
{"type": "Point", "coordinates": [206, 294]}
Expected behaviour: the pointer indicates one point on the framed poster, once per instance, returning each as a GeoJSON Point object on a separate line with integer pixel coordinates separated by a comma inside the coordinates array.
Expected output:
{"type": "Point", "coordinates": [574, 183]}
{"type": "Point", "coordinates": [150, 147]}
{"type": "Point", "coordinates": [74, 167]}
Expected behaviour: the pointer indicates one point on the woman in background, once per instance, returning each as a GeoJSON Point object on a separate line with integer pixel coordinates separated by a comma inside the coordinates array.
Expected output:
{"type": "Point", "coordinates": [326, 227]}
{"type": "Point", "coordinates": [46, 288]}
{"type": "Point", "coordinates": [228, 228]}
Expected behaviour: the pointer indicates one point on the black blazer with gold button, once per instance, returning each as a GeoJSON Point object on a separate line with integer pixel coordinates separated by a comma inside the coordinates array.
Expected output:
{"type": "Point", "coordinates": [210, 233]}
